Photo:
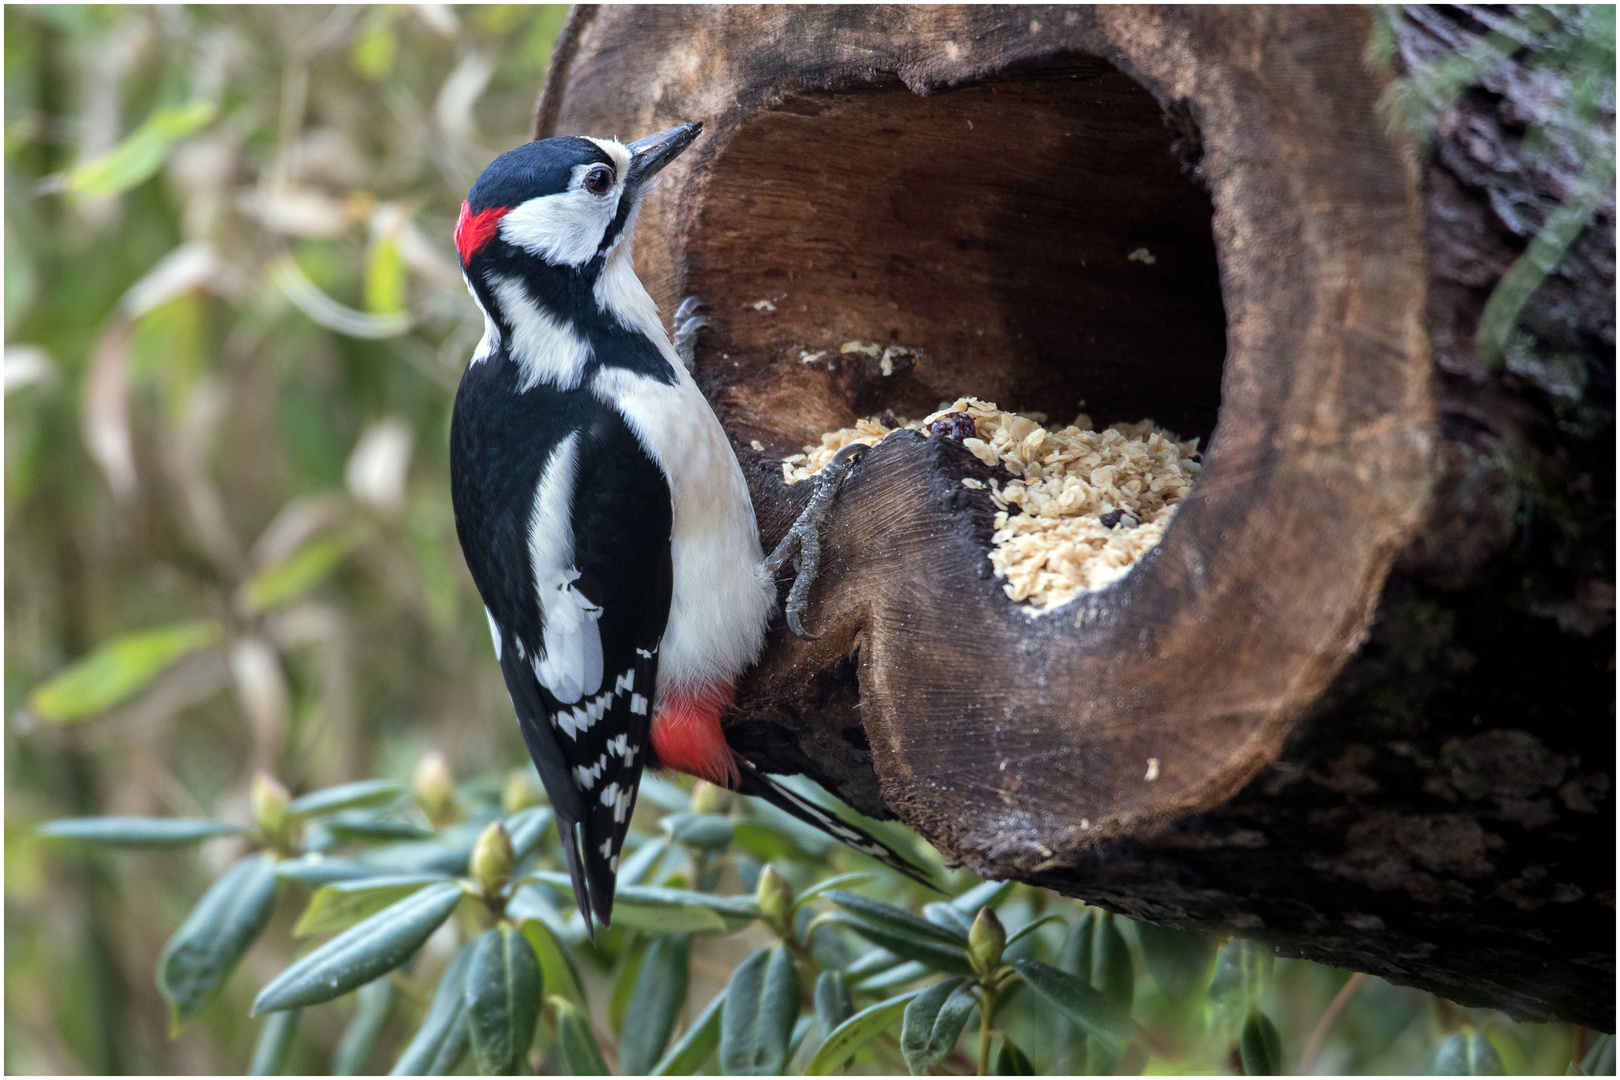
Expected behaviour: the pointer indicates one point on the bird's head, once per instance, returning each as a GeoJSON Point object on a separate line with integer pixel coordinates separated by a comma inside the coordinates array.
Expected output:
{"type": "Point", "coordinates": [562, 204]}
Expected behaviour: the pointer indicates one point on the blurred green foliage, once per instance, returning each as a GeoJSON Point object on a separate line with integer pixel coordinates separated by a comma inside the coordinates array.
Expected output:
{"type": "Point", "coordinates": [234, 325]}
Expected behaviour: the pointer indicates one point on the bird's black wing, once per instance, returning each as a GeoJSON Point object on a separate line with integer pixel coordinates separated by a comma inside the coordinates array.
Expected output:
{"type": "Point", "coordinates": [622, 516]}
{"type": "Point", "coordinates": [565, 522]}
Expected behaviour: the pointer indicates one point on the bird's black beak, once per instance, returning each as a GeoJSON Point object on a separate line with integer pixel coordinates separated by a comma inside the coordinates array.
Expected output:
{"type": "Point", "coordinates": [649, 155]}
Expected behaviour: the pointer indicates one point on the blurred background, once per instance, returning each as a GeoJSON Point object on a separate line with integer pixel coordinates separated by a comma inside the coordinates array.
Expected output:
{"type": "Point", "coordinates": [234, 326]}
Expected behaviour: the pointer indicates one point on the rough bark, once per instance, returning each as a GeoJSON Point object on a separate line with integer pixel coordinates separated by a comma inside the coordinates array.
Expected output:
{"type": "Point", "coordinates": [1404, 773]}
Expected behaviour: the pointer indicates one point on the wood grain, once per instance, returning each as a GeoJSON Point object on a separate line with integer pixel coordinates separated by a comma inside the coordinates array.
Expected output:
{"type": "Point", "coordinates": [974, 182]}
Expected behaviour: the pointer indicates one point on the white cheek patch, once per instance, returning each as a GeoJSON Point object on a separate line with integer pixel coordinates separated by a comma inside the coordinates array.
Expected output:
{"type": "Point", "coordinates": [564, 229]}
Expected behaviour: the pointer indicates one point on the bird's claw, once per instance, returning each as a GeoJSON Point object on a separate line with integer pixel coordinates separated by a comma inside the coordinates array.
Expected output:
{"type": "Point", "coordinates": [688, 320]}
{"type": "Point", "coordinates": [802, 544]}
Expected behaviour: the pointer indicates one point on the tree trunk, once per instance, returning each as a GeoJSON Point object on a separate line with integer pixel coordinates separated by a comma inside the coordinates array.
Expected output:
{"type": "Point", "coordinates": [1191, 214]}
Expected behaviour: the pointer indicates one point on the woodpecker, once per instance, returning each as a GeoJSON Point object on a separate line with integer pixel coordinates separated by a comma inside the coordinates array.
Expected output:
{"type": "Point", "coordinates": [600, 507]}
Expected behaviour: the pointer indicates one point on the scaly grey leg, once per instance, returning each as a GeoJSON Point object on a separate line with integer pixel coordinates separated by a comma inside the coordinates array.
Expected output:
{"type": "Point", "coordinates": [802, 544]}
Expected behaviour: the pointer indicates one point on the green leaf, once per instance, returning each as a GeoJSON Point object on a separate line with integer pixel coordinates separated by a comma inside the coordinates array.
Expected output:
{"type": "Point", "coordinates": [1180, 961]}
{"type": "Point", "coordinates": [275, 1043]}
{"type": "Point", "coordinates": [342, 904]}
{"type": "Point", "coordinates": [680, 911]}
{"type": "Point", "coordinates": [361, 953]}
{"type": "Point", "coordinates": [899, 975]}
{"type": "Point", "coordinates": [631, 953]}
{"type": "Point", "coordinates": [836, 882]}
{"type": "Point", "coordinates": [502, 992]}
{"type": "Point", "coordinates": [363, 827]}
{"type": "Point", "coordinates": [887, 915]}
{"type": "Point", "coordinates": [356, 796]}
{"type": "Point", "coordinates": [138, 832]}
{"type": "Point", "coordinates": [856, 1032]}
{"type": "Point", "coordinates": [526, 827]}
{"type": "Point", "coordinates": [762, 1002]}
{"type": "Point", "coordinates": [833, 1002]}
{"type": "Point", "coordinates": [1599, 1059]}
{"type": "Point", "coordinates": [693, 1048]}
{"type": "Point", "coordinates": [869, 963]}
{"type": "Point", "coordinates": [1115, 971]}
{"type": "Point", "coordinates": [557, 971]}
{"type": "Point", "coordinates": [299, 572]}
{"type": "Point", "coordinates": [318, 870]}
{"type": "Point", "coordinates": [1541, 258]}
{"type": "Point", "coordinates": [581, 1055]}
{"type": "Point", "coordinates": [373, 54]}
{"type": "Point", "coordinates": [117, 669]}
{"type": "Point", "coordinates": [766, 842]}
{"type": "Point", "coordinates": [933, 1022]}
{"type": "Point", "coordinates": [634, 868]}
{"type": "Point", "coordinates": [1087, 1007]}
{"type": "Point", "coordinates": [204, 951]}
{"type": "Point", "coordinates": [448, 854]}
{"type": "Point", "coordinates": [385, 277]}
{"type": "Point", "coordinates": [1029, 928]}
{"type": "Point", "coordinates": [1242, 973]}
{"type": "Point", "coordinates": [985, 894]}
{"type": "Point", "coordinates": [1465, 1053]}
{"type": "Point", "coordinates": [438, 1045]}
{"type": "Point", "coordinates": [372, 1004]}
{"type": "Point", "coordinates": [706, 832]}
{"type": "Point", "coordinates": [141, 153]}
{"type": "Point", "coordinates": [947, 917]}
{"type": "Point", "coordinates": [923, 950]}
{"type": "Point", "coordinates": [656, 1004]}
{"type": "Point", "coordinates": [1011, 1061]}
{"type": "Point", "coordinates": [1261, 1047]}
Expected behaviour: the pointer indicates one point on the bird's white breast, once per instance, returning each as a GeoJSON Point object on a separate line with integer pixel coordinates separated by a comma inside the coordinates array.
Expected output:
{"type": "Point", "coordinates": [722, 600]}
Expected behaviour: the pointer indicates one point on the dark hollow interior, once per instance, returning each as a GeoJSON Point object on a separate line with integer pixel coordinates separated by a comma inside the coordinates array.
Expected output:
{"type": "Point", "coordinates": [1035, 236]}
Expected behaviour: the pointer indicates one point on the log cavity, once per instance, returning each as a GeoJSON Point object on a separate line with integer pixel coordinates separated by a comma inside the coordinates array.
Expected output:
{"type": "Point", "coordinates": [1034, 239]}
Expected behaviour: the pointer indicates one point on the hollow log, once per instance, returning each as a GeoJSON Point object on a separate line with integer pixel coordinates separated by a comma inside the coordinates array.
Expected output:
{"type": "Point", "coordinates": [1359, 701]}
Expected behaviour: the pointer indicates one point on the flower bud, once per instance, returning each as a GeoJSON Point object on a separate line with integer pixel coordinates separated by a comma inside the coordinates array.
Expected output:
{"type": "Point", "coordinates": [270, 800]}
{"type": "Point", "coordinates": [709, 798]}
{"type": "Point", "coordinates": [493, 859]}
{"type": "Point", "coordinates": [775, 898]}
{"type": "Point", "coordinates": [520, 791]}
{"type": "Point", "coordinates": [434, 788]}
{"type": "Point", "coordinates": [986, 939]}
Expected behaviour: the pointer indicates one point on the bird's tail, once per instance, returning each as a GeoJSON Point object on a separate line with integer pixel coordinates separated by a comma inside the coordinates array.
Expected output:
{"type": "Point", "coordinates": [753, 782]}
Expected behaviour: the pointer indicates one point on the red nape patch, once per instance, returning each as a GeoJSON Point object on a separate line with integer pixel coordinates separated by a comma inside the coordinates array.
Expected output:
{"type": "Point", "coordinates": [473, 231]}
{"type": "Point", "coordinates": [686, 735]}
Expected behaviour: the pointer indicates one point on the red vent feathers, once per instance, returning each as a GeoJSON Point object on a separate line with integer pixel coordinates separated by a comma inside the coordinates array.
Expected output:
{"type": "Point", "coordinates": [686, 735]}
{"type": "Point", "coordinates": [473, 231]}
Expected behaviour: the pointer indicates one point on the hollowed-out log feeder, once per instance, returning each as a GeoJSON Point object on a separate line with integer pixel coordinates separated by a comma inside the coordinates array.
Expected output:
{"type": "Point", "coordinates": [1192, 215]}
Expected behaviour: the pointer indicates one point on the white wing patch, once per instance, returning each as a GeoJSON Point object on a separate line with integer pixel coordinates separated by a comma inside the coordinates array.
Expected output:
{"type": "Point", "coordinates": [571, 666]}
{"type": "Point", "coordinates": [543, 346]}
{"type": "Point", "coordinates": [494, 634]}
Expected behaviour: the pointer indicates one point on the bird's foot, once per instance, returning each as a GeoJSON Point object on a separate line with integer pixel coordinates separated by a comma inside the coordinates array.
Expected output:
{"type": "Point", "coordinates": [802, 544]}
{"type": "Point", "coordinates": [689, 319]}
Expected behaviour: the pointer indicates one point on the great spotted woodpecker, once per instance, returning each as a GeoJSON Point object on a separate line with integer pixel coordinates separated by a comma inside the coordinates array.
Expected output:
{"type": "Point", "coordinates": [601, 510]}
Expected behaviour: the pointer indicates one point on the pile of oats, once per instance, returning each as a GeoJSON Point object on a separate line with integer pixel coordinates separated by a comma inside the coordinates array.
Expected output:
{"type": "Point", "coordinates": [1092, 502]}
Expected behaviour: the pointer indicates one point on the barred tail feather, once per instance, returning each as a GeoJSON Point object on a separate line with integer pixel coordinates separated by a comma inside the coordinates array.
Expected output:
{"type": "Point", "coordinates": [755, 783]}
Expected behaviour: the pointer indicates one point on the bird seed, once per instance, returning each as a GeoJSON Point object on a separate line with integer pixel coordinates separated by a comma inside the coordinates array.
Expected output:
{"type": "Point", "coordinates": [1084, 505]}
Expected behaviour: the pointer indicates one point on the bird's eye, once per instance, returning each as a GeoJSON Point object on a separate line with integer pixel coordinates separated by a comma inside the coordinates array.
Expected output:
{"type": "Point", "coordinates": [599, 181]}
